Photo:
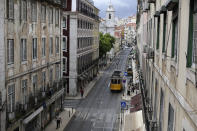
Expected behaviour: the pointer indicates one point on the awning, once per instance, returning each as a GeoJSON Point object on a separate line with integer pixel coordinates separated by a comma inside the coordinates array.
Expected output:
{"type": "Point", "coordinates": [55, 96]}
{"type": "Point", "coordinates": [170, 4]}
{"type": "Point", "coordinates": [33, 115]}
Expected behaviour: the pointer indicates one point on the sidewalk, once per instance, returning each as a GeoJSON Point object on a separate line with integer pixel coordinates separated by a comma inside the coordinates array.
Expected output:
{"type": "Point", "coordinates": [87, 89]}
{"type": "Point", "coordinates": [66, 116]}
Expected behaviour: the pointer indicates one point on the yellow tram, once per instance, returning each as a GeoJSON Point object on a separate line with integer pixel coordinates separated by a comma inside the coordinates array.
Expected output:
{"type": "Point", "coordinates": [116, 81]}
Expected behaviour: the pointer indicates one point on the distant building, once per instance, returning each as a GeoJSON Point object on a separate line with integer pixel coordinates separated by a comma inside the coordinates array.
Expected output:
{"type": "Point", "coordinates": [107, 25]}
{"type": "Point", "coordinates": [84, 45]}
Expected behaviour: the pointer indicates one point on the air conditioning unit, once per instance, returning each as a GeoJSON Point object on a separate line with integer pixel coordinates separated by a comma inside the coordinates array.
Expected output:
{"type": "Point", "coordinates": [154, 125]}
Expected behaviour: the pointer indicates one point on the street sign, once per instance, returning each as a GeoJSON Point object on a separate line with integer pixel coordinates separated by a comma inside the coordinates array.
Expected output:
{"type": "Point", "coordinates": [125, 73]}
{"type": "Point", "coordinates": [123, 104]}
{"type": "Point", "coordinates": [124, 81]}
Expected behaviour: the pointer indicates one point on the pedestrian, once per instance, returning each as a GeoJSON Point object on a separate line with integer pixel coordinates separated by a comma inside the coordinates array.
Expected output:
{"type": "Point", "coordinates": [82, 92]}
{"type": "Point", "coordinates": [57, 124]}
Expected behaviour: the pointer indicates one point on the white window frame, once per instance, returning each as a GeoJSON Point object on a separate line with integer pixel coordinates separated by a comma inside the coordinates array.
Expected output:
{"type": "Point", "coordinates": [23, 50]}
{"type": "Point", "coordinates": [11, 97]}
{"type": "Point", "coordinates": [10, 51]}
{"type": "Point", "coordinates": [57, 17]}
{"type": "Point", "coordinates": [64, 22]}
{"type": "Point", "coordinates": [10, 11]}
{"type": "Point", "coordinates": [64, 44]}
{"type": "Point", "coordinates": [43, 46]}
{"type": "Point", "coordinates": [64, 67]}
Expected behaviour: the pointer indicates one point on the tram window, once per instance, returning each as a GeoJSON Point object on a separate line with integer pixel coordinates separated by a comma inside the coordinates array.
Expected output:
{"type": "Point", "coordinates": [118, 81]}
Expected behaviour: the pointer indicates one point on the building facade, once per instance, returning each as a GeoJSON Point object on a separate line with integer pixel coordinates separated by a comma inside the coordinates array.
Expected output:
{"type": "Point", "coordinates": [166, 40]}
{"type": "Point", "coordinates": [32, 45]}
{"type": "Point", "coordinates": [84, 44]}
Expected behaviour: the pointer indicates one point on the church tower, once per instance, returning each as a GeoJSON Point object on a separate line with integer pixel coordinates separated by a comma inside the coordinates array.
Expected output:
{"type": "Point", "coordinates": [110, 19]}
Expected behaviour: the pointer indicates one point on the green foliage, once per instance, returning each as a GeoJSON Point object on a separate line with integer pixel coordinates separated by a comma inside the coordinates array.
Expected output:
{"type": "Point", "coordinates": [106, 42]}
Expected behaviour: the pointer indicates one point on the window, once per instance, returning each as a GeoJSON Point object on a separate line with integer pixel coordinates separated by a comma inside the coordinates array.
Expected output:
{"type": "Point", "coordinates": [43, 13]}
{"type": "Point", "coordinates": [64, 22]}
{"type": "Point", "coordinates": [35, 84]}
{"type": "Point", "coordinates": [64, 43]}
{"type": "Point", "coordinates": [155, 104]}
{"type": "Point", "coordinates": [34, 48]}
{"type": "Point", "coordinates": [11, 98]}
{"type": "Point", "coordinates": [161, 111]}
{"type": "Point", "coordinates": [57, 44]}
{"type": "Point", "coordinates": [64, 64]}
{"type": "Point", "coordinates": [109, 16]}
{"type": "Point", "coordinates": [10, 9]}
{"type": "Point", "coordinates": [10, 51]}
{"type": "Point", "coordinates": [170, 118]}
{"type": "Point", "coordinates": [194, 51]}
{"type": "Point", "coordinates": [51, 46]}
{"type": "Point", "coordinates": [164, 32]}
{"type": "Point", "coordinates": [175, 33]}
{"type": "Point", "coordinates": [23, 9]}
{"type": "Point", "coordinates": [24, 92]}
{"type": "Point", "coordinates": [158, 30]}
{"type": "Point", "coordinates": [43, 47]}
{"type": "Point", "coordinates": [43, 81]}
{"type": "Point", "coordinates": [51, 15]}
{"type": "Point", "coordinates": [57, 72]}
{"type": "Point", "coordinates": [56, 17]}
{"type": "Point", "coordinates": [34, 11]}
{"type": "Point", "coordinates": [23, 50]}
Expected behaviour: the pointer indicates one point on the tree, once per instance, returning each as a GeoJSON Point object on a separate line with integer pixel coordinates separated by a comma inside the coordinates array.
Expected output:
{"type": "Point", "coordinates": [106, 42]}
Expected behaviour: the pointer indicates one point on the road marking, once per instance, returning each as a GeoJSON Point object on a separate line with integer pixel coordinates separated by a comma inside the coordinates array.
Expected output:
{"type": "Point", "coordinates": [108, 84]}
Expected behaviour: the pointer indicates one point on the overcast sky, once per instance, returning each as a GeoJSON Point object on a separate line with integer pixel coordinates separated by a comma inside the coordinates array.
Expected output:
{"type": "Point", "coordinates": [123, 8]}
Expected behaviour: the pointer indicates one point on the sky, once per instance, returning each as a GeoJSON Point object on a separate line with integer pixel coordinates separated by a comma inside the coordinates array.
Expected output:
{"type": "Point", "coordinates": [123, 8]}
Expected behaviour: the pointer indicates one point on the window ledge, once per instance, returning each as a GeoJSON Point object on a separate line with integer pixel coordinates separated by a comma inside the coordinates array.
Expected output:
{"type": "Point", "coordinates": [190, 74]}
{"type": "Point", "coordinates": [24, 62]}
{"type": "Point", "coordinates": [11, 65]}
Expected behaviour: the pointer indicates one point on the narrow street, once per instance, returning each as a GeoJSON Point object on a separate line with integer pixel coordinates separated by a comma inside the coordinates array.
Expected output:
{"type": "Point", "coordinates": [99, 111]}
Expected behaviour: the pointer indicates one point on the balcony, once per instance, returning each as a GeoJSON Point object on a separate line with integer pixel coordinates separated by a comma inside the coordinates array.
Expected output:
{"type": "Point", "coordinates": [88, 13]}
{"type": "Point", "coordinates": [53, 2]}
{"type": "Point", "coordinates": [35, 101]}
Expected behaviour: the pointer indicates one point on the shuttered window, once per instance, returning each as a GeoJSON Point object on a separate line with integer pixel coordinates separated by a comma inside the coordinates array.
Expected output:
{"type": "Point", "coordinates": [51, 75]}
{"type": "Point", "coordinates": [43, 47]}
{"type": "Point", "coordinates": [65, 64]}
{"type": "Point", "coordinates": [10, 9]}
{"type": "Point", "coordinates": [10, 51]}
{"type": "Point", "coordinates": [57, 44]}
{"type": "Point", "coordinates": [51, 46]}
{"type": "Point", "coordinates": [23, 9]}
{"type": "Point", "coordinates": [161, 111]}
{"type": "Point", "coordinates": [11, 98]}
{"type": "Point", "coordinates": [43, 81]}
{"type": "Point", "coordinates": [34, 48]}
{"type": "Point", "coordinates": [34, 11]}
{"type": "Point", "coordinates": [175, 33]}
{"type": "Point", "coordinates": [43, 13]}
{"type": "Point", "coordinates": [64, 43]}
{"type": "Point", "coordinates": [194, 51]}
{"type": "Point", "coordinates": [170, 118]}
{"type": "Point", "coordinates": [50, 15]}
{"type": "Point", "coordinates": [23, 50]}
{"type": "Point", "coordinates": [56, 17]}
{"type": "Point", "coordinates": [35, 84]}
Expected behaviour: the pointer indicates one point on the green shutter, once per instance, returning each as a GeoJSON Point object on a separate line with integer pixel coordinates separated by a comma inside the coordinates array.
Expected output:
{"type": "Point", "coordinates": [158, 26]}
{"type": "Point", "coordinates": [164, 32]}
{"type": "Point", "coordinates": [190, 37]}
